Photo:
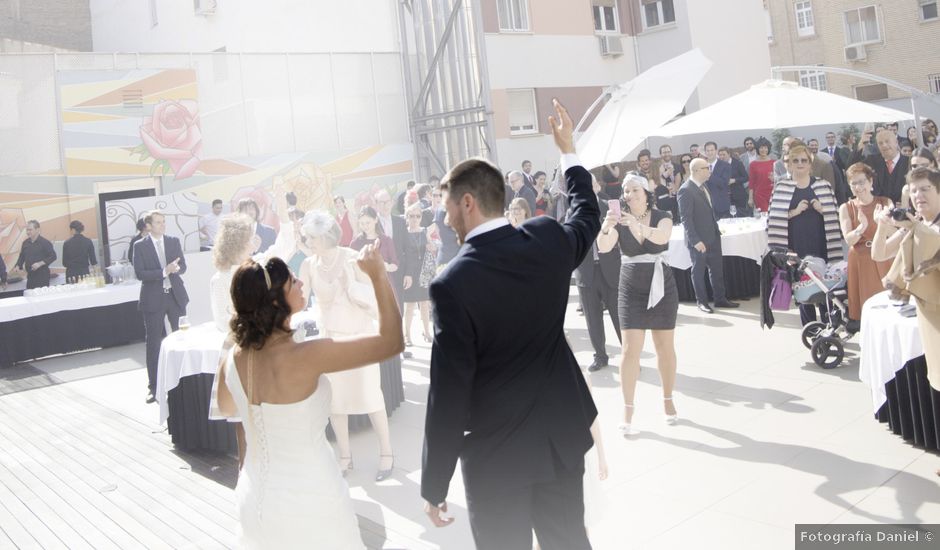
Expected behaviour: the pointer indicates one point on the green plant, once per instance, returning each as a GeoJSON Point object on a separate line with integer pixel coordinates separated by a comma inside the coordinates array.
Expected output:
{"type": "Point", "coordinates": [849, 134]}
{"type": "Point", "coordinates": [777, 138]}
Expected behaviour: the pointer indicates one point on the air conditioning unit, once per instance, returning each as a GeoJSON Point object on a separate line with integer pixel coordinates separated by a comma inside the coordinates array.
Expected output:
{"type": "Point", "coordinates": [206, 7]}
{"type": "Point", "coordinates": [855, 53]}
{"type": "Point", "coordinates": [610, 45]}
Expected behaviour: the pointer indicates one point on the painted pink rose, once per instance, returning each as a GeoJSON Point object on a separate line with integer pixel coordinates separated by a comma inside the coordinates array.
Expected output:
{"type": "Point", "coordinates": [172, 134]}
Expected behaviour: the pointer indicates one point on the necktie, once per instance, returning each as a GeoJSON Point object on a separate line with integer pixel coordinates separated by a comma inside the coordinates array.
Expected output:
{"type": "Point", "coordinates": [708, 195]}
{"type": "Point", "coordinates": [890, 164]}
{"type": "Point", "coordinates": [161, 255]}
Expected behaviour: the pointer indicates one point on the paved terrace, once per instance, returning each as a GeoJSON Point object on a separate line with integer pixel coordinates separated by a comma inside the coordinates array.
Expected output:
{"type": "Point", "coordinates": [766, 440]}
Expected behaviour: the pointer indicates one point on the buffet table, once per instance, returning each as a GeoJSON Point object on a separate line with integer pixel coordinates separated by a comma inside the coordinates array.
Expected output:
{"type": "Point", "coordinates": [892, 365]}
{"type": "Point", "coordinates": [743, 244]}
{"type": "Point", "coordinates": [189, 360]}
{"type": "Point", "coordinates": [63, 322]}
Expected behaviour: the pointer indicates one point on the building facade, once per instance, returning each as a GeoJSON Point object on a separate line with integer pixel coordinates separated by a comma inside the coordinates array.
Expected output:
{"type": "Point", "coordinates": [889, 38]}
{"type": "Point", "coordinates": [573, 50]}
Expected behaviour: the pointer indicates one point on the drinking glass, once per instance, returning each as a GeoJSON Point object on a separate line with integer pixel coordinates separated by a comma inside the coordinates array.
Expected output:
{"type": "Point", "coordinates": [184, 322]}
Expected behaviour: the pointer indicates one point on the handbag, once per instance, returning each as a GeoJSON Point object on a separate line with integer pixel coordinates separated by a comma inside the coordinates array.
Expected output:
{"type": "Point", "coordinates": [781, 294]}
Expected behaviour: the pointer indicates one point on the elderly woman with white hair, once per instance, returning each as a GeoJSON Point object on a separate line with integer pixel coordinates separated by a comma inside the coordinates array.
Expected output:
{"type": "Point", "coordinates": [347, 309]}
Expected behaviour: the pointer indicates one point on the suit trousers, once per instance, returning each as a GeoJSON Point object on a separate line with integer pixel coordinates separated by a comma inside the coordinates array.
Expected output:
{"type": "Point", "coordinates": [555, 509]}
{"type": "Point", "coordinates": [155, 332]}
{"type": "Point", "coordinates": [595, 298]}
{"type": "Point", "coordinates": [713, 261]}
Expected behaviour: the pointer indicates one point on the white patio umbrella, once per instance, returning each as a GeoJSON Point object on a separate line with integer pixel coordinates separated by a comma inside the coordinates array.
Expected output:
{"type": "Point", "coordinates": [638, 108]}
{"type": "Point", "coordinates": [779, 104]}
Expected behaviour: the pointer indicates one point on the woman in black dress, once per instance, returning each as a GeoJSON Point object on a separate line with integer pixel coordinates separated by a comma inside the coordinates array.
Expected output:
{"type": "Point", "coordinates": [648, 299]}
{"type": "Point", "coordinates": [421, 259]}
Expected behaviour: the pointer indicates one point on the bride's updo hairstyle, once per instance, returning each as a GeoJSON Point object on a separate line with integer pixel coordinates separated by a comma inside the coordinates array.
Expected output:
{"type": "Point", "coordinates": [259, 300]}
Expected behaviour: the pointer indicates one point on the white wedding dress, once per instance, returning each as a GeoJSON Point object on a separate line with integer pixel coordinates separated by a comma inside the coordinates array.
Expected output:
{"type": "Point", "coordinates": [290, 492]}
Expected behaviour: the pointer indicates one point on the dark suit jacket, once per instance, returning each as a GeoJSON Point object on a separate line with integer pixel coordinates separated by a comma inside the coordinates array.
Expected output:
{"type": "Point", "coordinates": [506, 391]}
{"type": "Point", "coordinates": [148, 271]}
{"type": "Point", "coordinates": [609, 261]}
{"type": "Point", "coordinates": [720, 189]}
{"type": "Point", "coordinates": [840, 155]}
{"type": "Point", "coordinates": [268, 236]}
{"type": "Point", "coordinates": [400, 240]}
{"type": "Point", "coordinates": [530, 195]}
{"type": "Point", "coordinates": [738, 190]}
{"type": "Point", "coordinates": [698, 218]}
{"type": "Point", "coordinates": [886, 185]}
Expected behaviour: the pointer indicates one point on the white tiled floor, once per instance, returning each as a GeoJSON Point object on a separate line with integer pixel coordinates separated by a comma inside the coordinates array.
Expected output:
{"type": "Point", "coordinates": [766, 440]}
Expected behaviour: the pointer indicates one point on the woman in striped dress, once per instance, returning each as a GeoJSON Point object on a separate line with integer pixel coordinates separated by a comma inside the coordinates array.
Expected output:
{"type": "Point", "coordinates": [804, 217]}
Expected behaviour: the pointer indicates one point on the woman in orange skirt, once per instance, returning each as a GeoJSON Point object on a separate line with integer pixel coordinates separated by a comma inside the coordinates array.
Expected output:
{"type": "Point", "coordinates": [857, 218]}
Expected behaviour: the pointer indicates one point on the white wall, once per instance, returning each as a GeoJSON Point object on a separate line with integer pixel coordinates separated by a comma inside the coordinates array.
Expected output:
{"type": "Point", "coordinates": [733, 34]}
{"type": "Point", "coordinates": [549, 61]}
{"type": "Point", "coordinates": [539, 149]}
{"type": "Point", "coordinates": [246, 26]}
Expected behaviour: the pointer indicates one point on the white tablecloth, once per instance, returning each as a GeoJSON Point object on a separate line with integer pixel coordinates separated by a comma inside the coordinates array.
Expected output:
{"type": "Point", "coordinates": [186, 353]}
{"type": "Point", "coordinates": [22, 307]}
{"type": "Point", "coordinates": [888, 341]}
{"type": "Point", "coordinates": [744, 237]}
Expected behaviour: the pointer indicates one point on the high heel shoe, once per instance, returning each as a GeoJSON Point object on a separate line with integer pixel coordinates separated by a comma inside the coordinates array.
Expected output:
{"type": "Point", "coordinates": [382, 475]}
{"type": "Point", "coordinates": [671, 419]}
{"type": "Point", "coordinates": [408, 342]}
{"type": "Point", "coordinates": [427, 338]}
{"type": "Point", "coordinates": [349, 466]}
{"type": "Point", "coordinates": [626, 428]}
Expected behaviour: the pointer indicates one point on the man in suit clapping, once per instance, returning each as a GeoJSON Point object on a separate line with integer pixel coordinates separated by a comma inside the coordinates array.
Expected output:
{"type": "Point", "coordinates": [159, 264]}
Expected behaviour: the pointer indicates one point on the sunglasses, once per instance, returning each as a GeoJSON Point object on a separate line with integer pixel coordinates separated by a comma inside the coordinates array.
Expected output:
{"type": "Point", "coordinates": [414, 216]}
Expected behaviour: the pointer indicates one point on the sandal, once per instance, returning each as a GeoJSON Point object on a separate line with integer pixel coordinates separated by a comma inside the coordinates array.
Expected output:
{"type": "Point", "coordinates": [626, 428]}
{"type": "Point", "coordinates": [671, 419]}
{"type": "Point", "coordinates": [382, 475]}
{"type": "Point", "coordinates": [349, 465]}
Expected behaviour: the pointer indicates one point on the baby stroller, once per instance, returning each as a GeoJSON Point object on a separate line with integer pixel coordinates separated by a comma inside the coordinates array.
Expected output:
{"type": "Point", "coordinates": [815, 283]}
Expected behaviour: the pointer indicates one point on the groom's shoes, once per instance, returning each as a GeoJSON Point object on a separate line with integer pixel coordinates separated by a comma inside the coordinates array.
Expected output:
{"type": "Point", "coordinates": [727, 304]}
{"type": "Point", "coordinates": [705, 307]}
{"type": "Point", "coordinates": [597, 365]}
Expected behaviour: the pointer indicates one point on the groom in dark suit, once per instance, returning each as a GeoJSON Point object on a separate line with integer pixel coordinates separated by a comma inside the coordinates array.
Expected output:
{"type": "Point", "coordinates": [507, 396]}
{"type": "Point", "coordinates": [158, 264]}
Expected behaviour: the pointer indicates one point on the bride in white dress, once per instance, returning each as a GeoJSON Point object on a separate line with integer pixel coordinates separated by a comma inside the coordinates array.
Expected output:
{"type": "Point", "coordinates": [290, 493]}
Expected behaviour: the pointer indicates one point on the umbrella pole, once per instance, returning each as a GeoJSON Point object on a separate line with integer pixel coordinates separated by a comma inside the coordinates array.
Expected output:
{"type": "Point", "coordinates": [605, 94]}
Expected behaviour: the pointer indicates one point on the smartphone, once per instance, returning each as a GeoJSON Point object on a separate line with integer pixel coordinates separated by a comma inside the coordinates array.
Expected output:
{"type": "Point", "coordinates": [614, 206]}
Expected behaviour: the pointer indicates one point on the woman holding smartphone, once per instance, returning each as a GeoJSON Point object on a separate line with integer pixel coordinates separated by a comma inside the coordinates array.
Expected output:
{"type": "Point", "coordinates": [648, 299]}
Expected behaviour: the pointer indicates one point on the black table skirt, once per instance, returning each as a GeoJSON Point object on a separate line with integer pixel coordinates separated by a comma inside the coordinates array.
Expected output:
{"type": "Point", "coordinates": [190, 428]}
{"type": "Point", "coordinates": [69, 331]}
{"type": "Point", "coordinates": [742, 280]}
{"type": "Point", "coordinates": [913, 407]}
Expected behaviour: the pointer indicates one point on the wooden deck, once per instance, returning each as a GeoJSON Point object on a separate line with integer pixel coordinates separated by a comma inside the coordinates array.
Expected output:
{"type": "Point", "coordinates": [76, 474]}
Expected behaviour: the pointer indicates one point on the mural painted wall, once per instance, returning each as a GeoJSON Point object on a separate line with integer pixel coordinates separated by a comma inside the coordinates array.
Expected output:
{"type": "Point", "coordinates": [124, 124]}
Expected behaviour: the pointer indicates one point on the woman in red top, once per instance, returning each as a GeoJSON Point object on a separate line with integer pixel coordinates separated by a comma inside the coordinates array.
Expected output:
{"type": "Point", "coordinates": [761, 177]}
{"type": "Point", "coordinates": [342, 220]}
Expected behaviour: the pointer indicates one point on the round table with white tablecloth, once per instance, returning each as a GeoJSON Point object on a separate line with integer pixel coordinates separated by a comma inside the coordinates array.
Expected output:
{"type": "Point", "coordinates": [892, 365]}
{"type": "Point", "coordinates": [743, 244]}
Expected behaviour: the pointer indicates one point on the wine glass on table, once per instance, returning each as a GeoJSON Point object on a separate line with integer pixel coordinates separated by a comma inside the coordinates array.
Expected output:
{"type": "Point", "coordinates": [734, 211]}
{"type": "Point", "coordinates": [184, 322]}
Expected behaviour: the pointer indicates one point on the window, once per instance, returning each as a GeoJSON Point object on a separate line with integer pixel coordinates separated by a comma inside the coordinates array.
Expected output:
{"type": "Point", "coordinates": [605, 15]}
{"type": "Point", "coordinates": [513, 15]}
{"type": "Point", "coordinates": [657, 12]}
{"type": "Point", "coordinates": [928, 10]}
{"type": "Point", "coordinates": [523, 118]}
{"type": "Point", "coordinates": [815, 80]}
{"type": "Point", "coordinates": [934, 83]}
{"type": "Point", "coordinates": [804, 19]}
{"type": "Point", "coordinates": [871, 92]}
{"type": "Point", "coordinates": [861, 26]}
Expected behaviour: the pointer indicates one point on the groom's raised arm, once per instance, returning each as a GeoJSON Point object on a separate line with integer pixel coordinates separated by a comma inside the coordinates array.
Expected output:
{"type": "Point", "coordinates": [453, 366]}
{"type": "Point", "coordinates": [584, 216]}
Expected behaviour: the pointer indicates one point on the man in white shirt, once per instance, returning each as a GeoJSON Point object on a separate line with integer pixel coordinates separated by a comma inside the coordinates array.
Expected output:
{"type": "Point", "coordinates": [209, 226]}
